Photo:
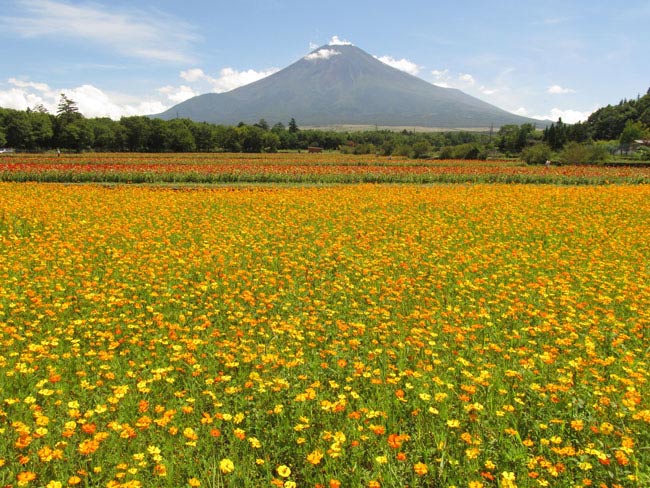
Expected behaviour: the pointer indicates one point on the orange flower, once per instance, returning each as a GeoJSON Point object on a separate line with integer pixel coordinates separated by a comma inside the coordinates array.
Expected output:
{"type": "Point", "coordinates": [87, 447]}
{"type": "Point", "coordinates": [25, 477]}
{"type": "Point", "coordinates": [335, 483]}
{"type": "Point", "coordinates": [395, 441]}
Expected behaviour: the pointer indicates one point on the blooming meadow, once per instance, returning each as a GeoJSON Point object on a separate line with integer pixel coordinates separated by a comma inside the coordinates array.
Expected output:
{"type": "Point", "coordinates": [344, 336]}
{"type": "Point", "coordinates": [206, 168]}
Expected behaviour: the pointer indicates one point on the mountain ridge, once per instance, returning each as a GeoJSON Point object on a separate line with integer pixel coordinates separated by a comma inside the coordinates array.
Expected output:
{"type": "Point", "coordinates": [344, 85]}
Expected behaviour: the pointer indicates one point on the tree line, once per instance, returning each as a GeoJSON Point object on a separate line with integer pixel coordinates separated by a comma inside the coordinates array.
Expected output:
{"type": "Point", "coordinates": [609, 129]}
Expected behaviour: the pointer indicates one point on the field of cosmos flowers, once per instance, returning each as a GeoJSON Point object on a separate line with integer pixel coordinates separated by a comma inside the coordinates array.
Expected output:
{"type": "Point", "coordinates": [330, 168]}
{"type": "Point", "coordinates": [470, 335]}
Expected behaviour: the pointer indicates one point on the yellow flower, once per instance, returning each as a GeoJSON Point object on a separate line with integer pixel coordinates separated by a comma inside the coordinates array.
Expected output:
{"type": "Point", "coordinates": [25, 477]}
{"type": "Point", "coordinates": [226, 466]}
{"type": "Point", "coordinates": [315, 457]}
{"type": "Point", "coordinates": [420, 469]}
{"type": "Point", "coordinates": [284, 471]}
{"type": "Point", "coordinates": [606, 428]}
{"type": "Point", "coordinates": [193, 482]}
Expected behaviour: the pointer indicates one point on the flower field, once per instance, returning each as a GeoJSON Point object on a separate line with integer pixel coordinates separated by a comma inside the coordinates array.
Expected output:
{"type": "Point", "coordinates": [296, 168]}
{"type": "Point", "coordinates": [343, 336]}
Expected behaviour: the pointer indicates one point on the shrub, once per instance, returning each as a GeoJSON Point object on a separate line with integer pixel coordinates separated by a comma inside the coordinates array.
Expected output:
{"type": "Point", "coordinates": [574, 153]}
{"type": "Point", "coordinates": [537, 154]}
{"type": "Point", "coordinates": [471, 150]}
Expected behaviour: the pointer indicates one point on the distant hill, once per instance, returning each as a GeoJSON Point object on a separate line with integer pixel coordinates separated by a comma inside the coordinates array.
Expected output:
{"type": "Point", "coordinates": [344, 85]}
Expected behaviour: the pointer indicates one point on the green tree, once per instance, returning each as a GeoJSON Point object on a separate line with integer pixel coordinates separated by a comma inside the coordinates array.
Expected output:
{"type": "Point", "coordinates": [293, 127]}
{"type": "Point", "coordinates": [158, 136]}
{"type": "Point", "coordinates": [250, 138]}
{"type": "Point", "coordinates": [77, 135]}
{"type": "Point", "coordinates": [262, 124]}
{"type": "Point", "coordinates": [270, 142]}
{"type": "Point", "coordinates": [513, 138]}
{"type": "Point", "coordinates": [631, 132]}
{"type": "Point", "coordinates": [536, 154]}
{"type": "Point", "coordinates": [137, 132]}
{"type": "Point", "coordinates": [42, 129]}
{"type": "Point", "coordinates": [67, 110]}
{"type": "Point", "coordinates": [3, 138]}
{"type": "Point", "coordinates": [205, 136]}
{"type": "Point", "coordinates": [18, 130]}
{"type": "Point", "coordinates": [227, 138]}
{"type": "Point", "coordinates": [108, 134]}
{"type": "Point", "coordinates": [278, 127]}
{"type": "Point", "coordinates": [421, 149]}
{"type": "Point", "coordinates": [180, 137]}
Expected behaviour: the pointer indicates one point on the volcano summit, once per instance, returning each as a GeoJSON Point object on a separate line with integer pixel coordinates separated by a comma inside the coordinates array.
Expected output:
{"type": "Point", "coordinates": [344, 85]}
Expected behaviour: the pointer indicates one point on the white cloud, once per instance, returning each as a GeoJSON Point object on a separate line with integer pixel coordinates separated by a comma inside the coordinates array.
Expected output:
{"type": "Point", "coordinates": [313, 46]}
{"type": "Point", "coordinates": [228, 79]}
{"type": "Point", "coordinates": [194, 74]}
{"type": "Point", "coordinates": [177, 94]}
{"type": "Point", "coordinates": [441, 78]}
{"type": "Point", "coordinates": [487, 91]}
{"type": "Point", "coordinates": [321, 54]}
{"type": "Point", "coordinates": [133, 33]}
{"type": "Point", "coordinates": [19, 99]}
{"type": "Point", "coordinates": [467, 79]}
{"type": "Point", "coordinates": [401, 64]}
{"type": "Point", "coordinates": [42, 87]}
{"type": "Point", "coordinates": [568, 115]}
{"type": "Point", "coordinates": [335, 41]}
{"type": "Point", "coordinates": [558, 90]}
{"type": "Point", "coordinates": [91, 101]}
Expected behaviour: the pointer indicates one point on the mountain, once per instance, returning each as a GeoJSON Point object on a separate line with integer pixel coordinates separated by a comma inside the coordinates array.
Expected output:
{"type": "Point", "coordinates": [344, 85]}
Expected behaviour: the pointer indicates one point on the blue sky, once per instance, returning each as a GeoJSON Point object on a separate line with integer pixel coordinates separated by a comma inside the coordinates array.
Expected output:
{"type": "Point", "coordinates": [545, 59]}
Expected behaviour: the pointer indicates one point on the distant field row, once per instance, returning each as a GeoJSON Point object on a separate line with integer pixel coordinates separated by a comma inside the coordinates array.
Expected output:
{"type": "Point", "coordinates": [321, 168]}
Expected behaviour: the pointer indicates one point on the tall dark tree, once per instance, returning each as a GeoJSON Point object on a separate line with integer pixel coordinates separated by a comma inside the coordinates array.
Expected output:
{"type": "Point", "coordinates": [67, 110]}
{"type": "Point", "coordinates": [293, 127]}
